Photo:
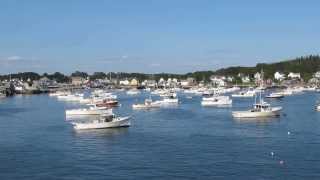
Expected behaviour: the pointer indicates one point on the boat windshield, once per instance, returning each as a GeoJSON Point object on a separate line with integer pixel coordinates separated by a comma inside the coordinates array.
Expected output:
{"type": "Point", "coordinates": [261, 106]}
{"type": "Point", "coordinates": [108, 118]}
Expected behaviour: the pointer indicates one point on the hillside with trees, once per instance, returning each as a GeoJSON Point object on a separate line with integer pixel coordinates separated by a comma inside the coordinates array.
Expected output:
{"type": "Point", "coordinates": [306, 66]}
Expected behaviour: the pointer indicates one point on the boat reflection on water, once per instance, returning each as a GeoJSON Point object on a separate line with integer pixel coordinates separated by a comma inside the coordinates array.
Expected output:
{"type": "Point", "coordinates": [218, 106]}
{"type": "Point", "coordinates": [108, 132]}
{"type": "Point", "coordinates": [260, 120]}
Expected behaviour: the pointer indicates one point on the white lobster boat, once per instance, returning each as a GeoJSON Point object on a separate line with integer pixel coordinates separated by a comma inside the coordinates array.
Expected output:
{"type": "Point", "coordinates": [148, 104]}
{"type": "Point", "coordinates": [275, 95]}
{"type": "Point", "coordinates": [216, 101]}
{"type": "Point", "coordinates": [249, 93]}
{"type": "Point", "coordinates": [261, 109]}
{"type": "Point", "coordinates": [59, 93]}
{"type": "Point", "coordinates": [107, 121]}
{"type": "Point", "coordinates": [133, 92]}
{"type": "Point", "coordinates": [169, 100]}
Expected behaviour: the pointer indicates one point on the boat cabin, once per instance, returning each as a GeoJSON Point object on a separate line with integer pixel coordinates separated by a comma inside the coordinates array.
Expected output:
{"type": "Point", "coordinates": [260, 107]}
{"type": "Point", "coordinates": [108, 118]}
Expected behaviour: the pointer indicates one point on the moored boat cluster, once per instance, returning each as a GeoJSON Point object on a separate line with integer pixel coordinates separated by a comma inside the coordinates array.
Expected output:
{"type": "Point", "coordinates": [101, 102]}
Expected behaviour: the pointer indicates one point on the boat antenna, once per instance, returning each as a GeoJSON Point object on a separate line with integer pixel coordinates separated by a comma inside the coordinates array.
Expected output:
{"type": "Point", "coordinates": [260, 98]}
{"type": "Point", "coordinates": [255, 98]}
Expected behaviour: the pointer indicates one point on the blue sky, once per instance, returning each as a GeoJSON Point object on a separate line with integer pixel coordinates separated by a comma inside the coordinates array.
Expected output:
{"type": "Point", "coordinates": [153, 36]}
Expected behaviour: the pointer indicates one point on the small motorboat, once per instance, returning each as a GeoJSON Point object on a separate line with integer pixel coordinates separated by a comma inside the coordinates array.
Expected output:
{"type": "Point", "coordinates": [148, 104]}
{"type": "Point", "coordinates": [71, 97]}
{"type": "Point", "coordinates": [216, 101]}
{"type": "Point", "coordinates": [59, 93]}
{"type": "Point", "coordinates": [105, 121]}
{"type": "Point", "coordinates": [89, 111]}
{"type": "Point", "coordinates": [249, 93]}
{"type": "Point", "coordinates": [275, 95]}
{"type": "Point", "coordinates": [286, 92]}
{"type": "Point", "coordinates": [169, 99]}
{"type": "Point", "coordinates": [133, 92]}
{"type": "Point", "coordinates": [107, 103]}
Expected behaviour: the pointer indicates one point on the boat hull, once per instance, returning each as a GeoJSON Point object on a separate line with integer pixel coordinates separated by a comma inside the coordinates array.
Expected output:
{"type": "Point", "coordinates": [217, 103]}
{"type": "Point", "coordinates": [120, 122]}
{"type": "Point", "coordinates": [275, 96]}
{"type": "Point", "coordinates": [108, 104]}
{"type": "Point", "coordinates": [144, 106]}
{"type": "Point", "coordinates": [242, 96]}
{"type": "Point", "coordinates": [248, 114]}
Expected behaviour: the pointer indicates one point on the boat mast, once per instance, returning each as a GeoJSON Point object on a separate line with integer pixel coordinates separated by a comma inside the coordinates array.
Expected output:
{"type": "Point", "coordinates": [262, 78]}
{"type": "Point", "coordinates": [260, 98]}
{"type": "Point", "coordinates": [255, 98]}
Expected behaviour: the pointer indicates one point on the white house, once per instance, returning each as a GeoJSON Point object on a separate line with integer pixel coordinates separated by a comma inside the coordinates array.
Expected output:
{"type": "Point", "coordinates": [175, 80]}
{"type": "Point", "coordinates": [134, 82]}
{"type": "Point", "coordinates": [77, 80]}
{"type": "Point", "coordinates": [230, 78]}
{"type": "Point", "coordinates": [218, 80]}
{"type": "Point", "coordinates": [161, 80]}
{"type": "Point", "coordinates": [279, 76]}
{"type": "Point", "coordinates": [124, 82]}
{"type": "Point", "coordinates": [294, 75]}
{"type": "Point", "coordinates": [245, 79]}
{"type": "Point", "coordinates": [188, 82]}
{"type": "Point", "coordinates": [317, 75]}
{"type": "Point", "coordinates": [257, 76]}
{"type": "Point", "coordinates": [149, 83]}
{"type": "Point", "coordinates": [314, 80]}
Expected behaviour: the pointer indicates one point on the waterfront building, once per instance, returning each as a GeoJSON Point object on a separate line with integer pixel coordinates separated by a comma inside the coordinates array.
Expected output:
{"type": "Point", "coordinates": [245, 79]}
{"type": "Point", "coordinates": [78, 81]}
{"type": "Point", "coordinates": [218, 80]}
{"type": "Point", "coordinates": [293, 75]}
{"type": "Point", "coordinates": [134, 82]}
{"type": "Point", "coordinates": [124, 82]}
{"type": "Point", "coordinates": [279, 76]}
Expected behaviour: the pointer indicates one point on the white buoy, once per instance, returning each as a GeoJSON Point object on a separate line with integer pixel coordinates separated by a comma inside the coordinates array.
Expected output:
{"type": "Point", "coordinates": [289, 133]}
{"type": "Point", "coordinates": [281, 162]}
{"type": "Point", "coordinates": [272, 153]}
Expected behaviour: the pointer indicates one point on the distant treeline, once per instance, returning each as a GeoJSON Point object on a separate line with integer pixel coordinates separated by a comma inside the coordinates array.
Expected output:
{"type": "Point", "coordinates": [306, 65]}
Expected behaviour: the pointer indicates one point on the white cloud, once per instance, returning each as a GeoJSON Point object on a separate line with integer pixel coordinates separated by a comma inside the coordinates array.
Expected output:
{"type": "Point", "coordinates": [14, 58]}
{"type": "Point", "coordinates": [155, 65]}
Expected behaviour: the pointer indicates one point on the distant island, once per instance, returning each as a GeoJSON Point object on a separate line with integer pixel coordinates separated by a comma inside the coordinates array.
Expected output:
{"type": "Point", "coordinates": [305, 66]}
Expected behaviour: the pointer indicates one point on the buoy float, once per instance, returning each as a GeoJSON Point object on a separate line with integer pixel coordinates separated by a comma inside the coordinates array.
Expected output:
{"type": "Point", "coordinates": [281, 162]}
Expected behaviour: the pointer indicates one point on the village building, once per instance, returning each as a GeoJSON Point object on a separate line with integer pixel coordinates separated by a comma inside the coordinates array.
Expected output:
{"type": "Point", "coordinates": [125, 82]}
{"type": "Point", "coordinates": [188, 82]}
{"type": "Point", "coordinates": [245, 79]}
{"type": "Point", "coordinates": [294, 75]}
{"type": "Point", "coordinates": [218, 80]}
{"type": "Point", "coordinates": [134, 82]}
{"type": "Point", "coordinates": [78, 81]}
{"type": "Point", "coordinates": [317, 75]}
{"type": "Point", "coordinates": [279, 76]}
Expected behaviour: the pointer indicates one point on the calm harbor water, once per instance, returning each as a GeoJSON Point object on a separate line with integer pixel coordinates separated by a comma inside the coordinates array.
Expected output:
{"type": "Point", "coordinates": [184, 142]}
